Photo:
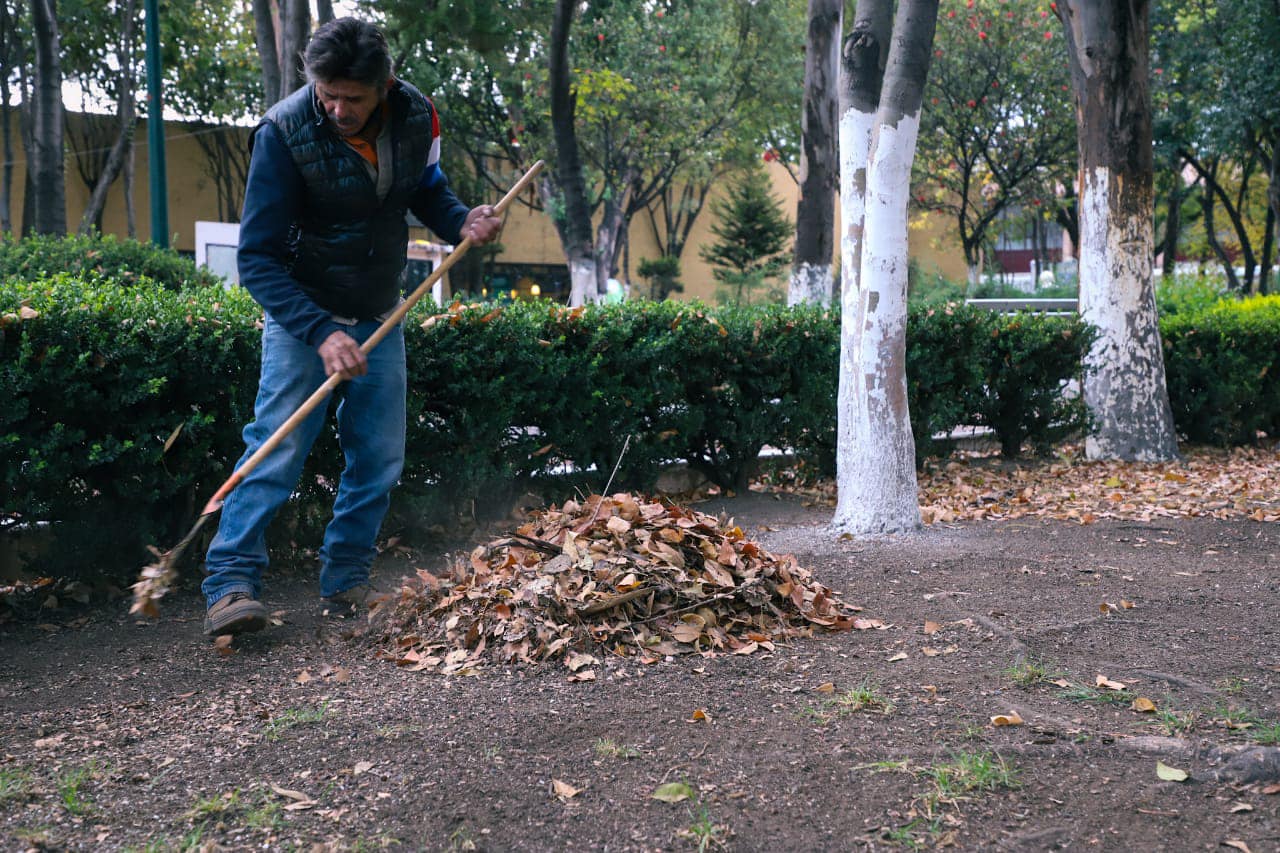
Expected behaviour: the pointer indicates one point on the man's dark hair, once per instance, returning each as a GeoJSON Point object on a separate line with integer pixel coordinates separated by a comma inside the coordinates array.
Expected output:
{"type": "Point", "coordinates": [348, 49]}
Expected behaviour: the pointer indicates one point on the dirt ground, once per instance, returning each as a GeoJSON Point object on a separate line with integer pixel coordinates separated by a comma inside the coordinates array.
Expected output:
{"type": "Point", "coordinates": [121, 734]}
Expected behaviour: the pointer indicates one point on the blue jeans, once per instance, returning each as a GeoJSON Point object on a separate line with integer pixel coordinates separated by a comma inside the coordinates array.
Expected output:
{"type": "Point", "coordinates": [371, 425]}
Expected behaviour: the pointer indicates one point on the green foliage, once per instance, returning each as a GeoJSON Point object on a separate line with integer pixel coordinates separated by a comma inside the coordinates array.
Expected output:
{"type": "Point", "coordinates": [1027, 360]}
{"type": "Point", "coordinates": [1189, 294]}
{"type": "Point", "coordinates": [663, 276]}
{"type": "Point", "coordinates": [98, 378]}
{"type": "Point", "coordinates": [739, 372]}
{"type": "Point", "coordinates": [996, 131]}
{"type": "Point", "coordinates": [945, 352]}
{"type": "Point", "coordinates": [752, 237]}
{"type": "Point", "coordinates": [666, 91]}
{"type": "Point", "coordinates": [1221, 366]}
{"type": "Point", "coordinates": [124, 262]}
{"type": "Point", "coordinates": [125, 404]}
{"type": "Point", "coordinates": [931, 287]}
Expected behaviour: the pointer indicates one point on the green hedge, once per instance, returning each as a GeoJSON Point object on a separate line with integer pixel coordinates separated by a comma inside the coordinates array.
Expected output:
{"type": "Point", "coordinates": [1027, 359]}
{"type": "Point", "coordinates": [125, 404]}
{"type": "Point", "coordinates": [98, 378]}
{"type": "Point", "coordinates": [1222, 366]}
{"type": "Point", "coordinates": [126, 262]}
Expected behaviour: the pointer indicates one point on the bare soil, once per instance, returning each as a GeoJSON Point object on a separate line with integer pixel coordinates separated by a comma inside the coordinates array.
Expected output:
{"type": "Point", "coordinates": [121, 734]}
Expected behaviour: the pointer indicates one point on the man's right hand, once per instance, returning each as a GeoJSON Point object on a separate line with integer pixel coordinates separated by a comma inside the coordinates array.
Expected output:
{"type": "Point", "coordinates": [341, 354]}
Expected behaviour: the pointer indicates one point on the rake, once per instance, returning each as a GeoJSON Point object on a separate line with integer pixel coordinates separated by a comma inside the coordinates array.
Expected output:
{"type": "Point", "coordinates": [155, 578]}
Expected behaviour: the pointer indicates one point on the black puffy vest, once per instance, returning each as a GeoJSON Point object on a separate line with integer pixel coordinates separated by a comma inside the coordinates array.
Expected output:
{"type": "Point", "coordinates": [347, 248]}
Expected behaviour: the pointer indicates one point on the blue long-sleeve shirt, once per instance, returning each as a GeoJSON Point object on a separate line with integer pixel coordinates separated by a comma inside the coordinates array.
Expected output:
{"type": "Point", "coordinates": [274, 193]}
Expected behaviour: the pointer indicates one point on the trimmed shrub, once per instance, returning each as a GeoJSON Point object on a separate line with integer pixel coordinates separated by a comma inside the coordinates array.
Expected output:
{"type": "Point", "coordinates": [1222, 367]}
{"type": "Point", "coordinates": [125, 404]}
{"type": "Point", "coordinates": [124, 262]}
{"type": "Point", "coordinates": [1027, 361]}
{"type": "Point", "coordinates": [945, 352]}
{"type": "Point", "coordinates": [117, 409]}
{"type": "Point", "coordinates": [944, 380]}
{"type": "Point", "coordinates": [613, 375]}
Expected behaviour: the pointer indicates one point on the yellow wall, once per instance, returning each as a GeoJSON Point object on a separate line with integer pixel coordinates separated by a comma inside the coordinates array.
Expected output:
{"type": "Point", "coordinates": [191, 193]}
{"type": "Point", "coordinates": [528, 237]}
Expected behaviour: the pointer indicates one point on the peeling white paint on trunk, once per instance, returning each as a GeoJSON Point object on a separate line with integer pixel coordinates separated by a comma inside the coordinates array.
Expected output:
{"type": "Point", "coordinates": [582, 281]}
{"type": "Point", "coordinates": [875, 453]}
{"type": "Point", "coordinates": [1124, 383]}
{"type": "Point", "coordinates": [811, 284]}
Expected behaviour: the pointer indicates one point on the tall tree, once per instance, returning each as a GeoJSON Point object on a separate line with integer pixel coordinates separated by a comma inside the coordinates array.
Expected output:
{"type": "Point", "coordinates": [575, 225]}
{"type": "Point", "coordinates": [213, 76]}
{"type": "Point", "coordinates": [13, 55]}
{"type": "Point", "coordinates": [1245, 40]}
{"type": "Point", "coordinates": [280, 53]}
{"type": "Point", "coordinates": [811, 278]}
{"type": "Point", "coordinates": [48, 176]}
{"type": "Point", "coordinates": [879, 125]}
{"type": "Point", "coordinates": [121, 81]}
{"type": "Point", "coordinates": [751, 238]}
{"type": "Point", "coordinates": [995, 135]}
{"type": "Point", "coordinates": [660, 91]}
{"type": "Point", "coordinates": [1124, 382]}
{"type": "Point", "coordinates": [264, 33]}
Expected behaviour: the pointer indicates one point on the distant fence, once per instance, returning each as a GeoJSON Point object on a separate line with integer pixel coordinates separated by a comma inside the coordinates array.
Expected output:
{"type": "Point", "coordinates": [1053, 307]}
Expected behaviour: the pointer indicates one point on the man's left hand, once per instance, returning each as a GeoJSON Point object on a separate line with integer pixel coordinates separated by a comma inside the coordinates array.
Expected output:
{"type": "Point", "coordinates": [482, 225]}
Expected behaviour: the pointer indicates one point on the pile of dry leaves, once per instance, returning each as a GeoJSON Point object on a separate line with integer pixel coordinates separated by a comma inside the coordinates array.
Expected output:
{"type": "Point", "coordinates": [620, 575]}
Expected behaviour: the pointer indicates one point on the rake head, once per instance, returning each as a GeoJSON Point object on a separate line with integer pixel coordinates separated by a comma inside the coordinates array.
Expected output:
{"type": "Point", "coordinates": [155, 579]}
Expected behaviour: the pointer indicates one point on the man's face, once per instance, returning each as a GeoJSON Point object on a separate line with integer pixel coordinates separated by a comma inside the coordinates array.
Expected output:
{"type": "Point", "coordinates": [349, 104]}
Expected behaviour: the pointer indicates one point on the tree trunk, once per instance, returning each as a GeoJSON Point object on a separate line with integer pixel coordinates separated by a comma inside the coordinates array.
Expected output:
{"type": "Point", "coordinates": [1273, 196]}
{"type": "Point", "coordinates": [575, 221]}
{"type": "Point", "coordinates": [1208, 206]}
{"type": "Point", "coordinates": [46, 155]}
{"type": "Point", "coordinates": [122, 148]}
{"type": "Point", "coordinates": [130, 210]}
{"type": "Point", "coordinates": [1172, 230]}
{"type": "Point", "coordinates": [6, 183]}
{"type": "Point", "coordinates": [1124, 381]}
{"type": "Point", "coordinates": [295, 21]}
{"type": "Point", "coordinates": [1268, 246]}
{"type": "Point", "coordinates": [9, 47]}
{"type": "Point", "coordinates": [324, 12]}
{"type": "Point", "coordinates": [608, 242]}
{"type": "Point", "coordinates": [1234, 213]}
{"type": "Point", "coordinates": [811, 279]}
{"type": "Point", "coordinates": [880, 120]}
{"type": "Point", "coordinates": [264, 33]}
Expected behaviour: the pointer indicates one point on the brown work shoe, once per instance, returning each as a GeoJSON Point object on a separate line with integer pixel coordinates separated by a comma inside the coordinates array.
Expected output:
{"type": "Point", "coordinates": [350, 602]}
{"type": "Point", "coordinates": [235, 613]}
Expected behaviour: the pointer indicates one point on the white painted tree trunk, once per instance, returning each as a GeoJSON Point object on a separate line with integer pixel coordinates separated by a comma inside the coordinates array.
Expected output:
{"type": "Point", "coordinates": [876, 470]}
{"type": "Point", "coordinates": [1124, 385]}
{"type": "Point", "coordinates": [582, 281]}
{"type": "Point", "coordinates": [810, 284]}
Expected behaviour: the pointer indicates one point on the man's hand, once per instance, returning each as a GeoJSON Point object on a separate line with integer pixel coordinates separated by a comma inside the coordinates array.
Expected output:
{"type": "Point", "coordinates": [341, 354]}
{"type": "Point", "coordinates": [482, 225]}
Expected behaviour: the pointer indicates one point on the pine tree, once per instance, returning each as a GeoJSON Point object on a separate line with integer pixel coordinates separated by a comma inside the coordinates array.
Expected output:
{"type": "Point", "coordinates": [751, 249]}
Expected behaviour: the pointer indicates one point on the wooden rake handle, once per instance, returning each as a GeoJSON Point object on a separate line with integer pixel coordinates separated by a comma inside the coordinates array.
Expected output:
{"type": "Point", "coordinates": [322, 393]}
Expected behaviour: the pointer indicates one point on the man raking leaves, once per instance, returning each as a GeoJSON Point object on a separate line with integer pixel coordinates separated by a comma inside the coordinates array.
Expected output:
{"type": "Point", "coordinates": [334, 168]}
